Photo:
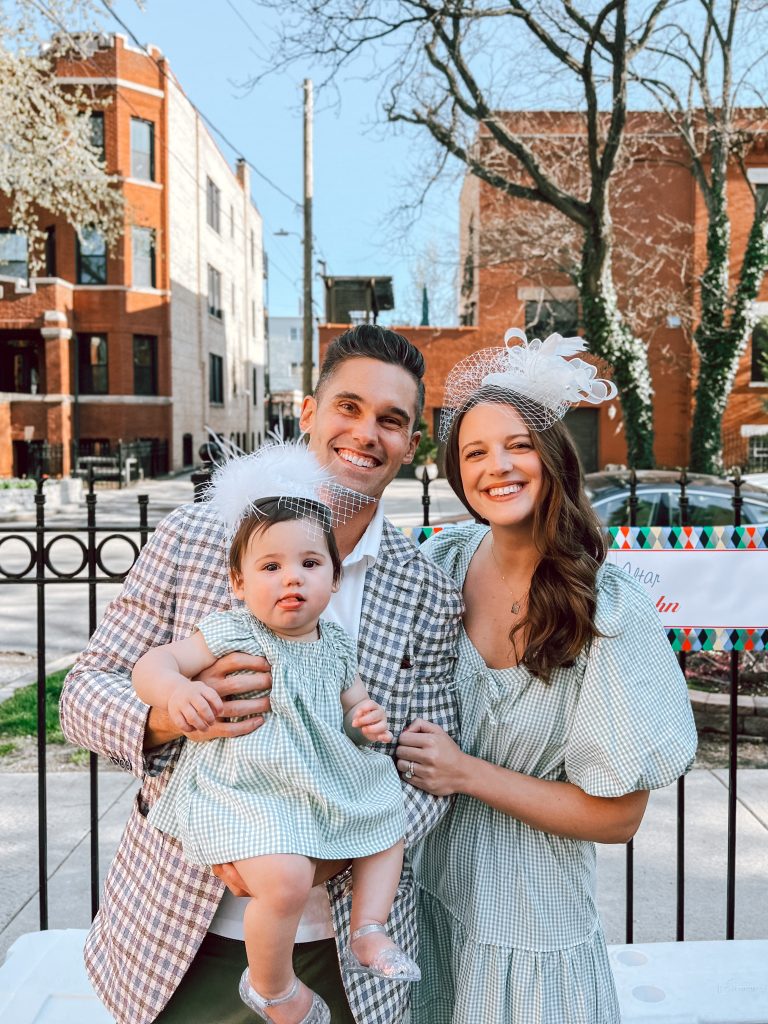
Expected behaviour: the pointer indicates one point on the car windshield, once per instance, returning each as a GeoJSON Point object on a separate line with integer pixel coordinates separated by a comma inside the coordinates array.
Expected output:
{"type": "Point", "coordinates": [662, 508]}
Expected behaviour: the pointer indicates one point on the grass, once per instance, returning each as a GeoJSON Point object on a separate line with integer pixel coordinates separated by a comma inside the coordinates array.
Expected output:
{"type": "Point", "coordinates": [18, 714]}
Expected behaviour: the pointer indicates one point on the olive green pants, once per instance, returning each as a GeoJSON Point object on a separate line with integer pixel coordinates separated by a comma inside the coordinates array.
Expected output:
{"type": "Point", "coordinates": [208, 991]}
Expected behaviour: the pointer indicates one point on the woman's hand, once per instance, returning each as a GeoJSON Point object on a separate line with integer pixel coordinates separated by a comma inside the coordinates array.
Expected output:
{"type": "Point", "coordinates": [437, 764]}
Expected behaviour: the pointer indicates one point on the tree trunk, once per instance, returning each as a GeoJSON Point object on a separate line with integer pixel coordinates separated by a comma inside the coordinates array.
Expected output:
{"type": "Point", "coordinates": [721, 345]}
{"type": "Point", "coordinates": [611, 339]}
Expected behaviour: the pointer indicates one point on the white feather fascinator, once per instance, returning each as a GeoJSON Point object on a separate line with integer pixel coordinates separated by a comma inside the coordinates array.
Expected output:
{"type": "Point", "coordinates": [545, 377]}
{"type": "Point", "coordinates": [284, 470]}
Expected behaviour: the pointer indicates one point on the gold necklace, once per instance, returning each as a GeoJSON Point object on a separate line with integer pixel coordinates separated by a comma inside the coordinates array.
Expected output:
{"type": "Point", "coordinates": [516, 602]}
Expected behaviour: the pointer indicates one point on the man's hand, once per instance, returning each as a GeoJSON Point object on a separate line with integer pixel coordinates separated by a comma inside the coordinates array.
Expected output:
{"type": "Point", "coordinates": [371, 719]}
{"type": "Point", "coordinates": [253, 674]}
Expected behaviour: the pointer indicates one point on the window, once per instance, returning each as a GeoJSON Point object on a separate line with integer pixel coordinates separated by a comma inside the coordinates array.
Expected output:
{"type": "Point", "coordinates": [253, 317]}
{"type": "Point", "coordinates": [550, 316]}
{"type": "Point", "coordinates": [92, 364]}
{"type": "Point", "coordinates": [253, 249]}
{"type": "Point", "coordinates": [233, 300]}
{"type": "Point", "coordinates": [97, 132]}
{"type": "Point", "coordinates": [143, 247]}
{"type": "Point", "coordinates": [91, 257]}
{"type": "Point", "coordinates": [142, 149]}
{"type": "Point", "coordinates": [294, 333]}
{"type": "Point", "coordinates": [213, 205]}
{"type": "Point", "coordinates": [760, 352]}
{"type": "Point", "coordinates": [231, 221]}
{"type": "Point", "coordinates": [144, 364]}
{"type": "Point", "coordinates": [214, 293]}
{"type": "Point", "coordinates": [50, 252]}
{"type": "Point", "coordinates": [13, 253]}
{"type": "Point", "coordinates": [216, 379]}
{"type": "Point", "coordinates": [254, 386]}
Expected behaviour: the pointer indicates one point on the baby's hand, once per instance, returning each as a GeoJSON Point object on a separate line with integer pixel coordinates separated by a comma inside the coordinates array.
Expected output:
{"type": "Point", "coordinates": [371, 719]}
{"type": "Point", "coordinates": [193, 706]}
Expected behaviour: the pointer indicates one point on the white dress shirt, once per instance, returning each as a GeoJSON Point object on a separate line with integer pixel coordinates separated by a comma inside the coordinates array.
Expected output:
{"type": "Point", "coordinates": [344, 608]}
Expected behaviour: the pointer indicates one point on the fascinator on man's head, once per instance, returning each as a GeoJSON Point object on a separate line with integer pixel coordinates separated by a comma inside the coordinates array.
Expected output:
{"type": "Point", "coordinates": [288, 471]}
{"type": "Point", "coordinates": [542, 378]}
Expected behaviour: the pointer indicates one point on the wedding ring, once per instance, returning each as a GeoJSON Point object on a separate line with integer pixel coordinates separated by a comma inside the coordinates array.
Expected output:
{"type": "Point", "coordinates": [410, 773]}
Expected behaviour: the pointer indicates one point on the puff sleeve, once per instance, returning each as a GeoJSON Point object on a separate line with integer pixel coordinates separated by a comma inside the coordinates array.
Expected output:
{"type": "Point", "coordinates": [633, 727]}
{"type": "Point", "coordinates": [344, 650]}
{"type": "Point", "coordinates": [225, 632]}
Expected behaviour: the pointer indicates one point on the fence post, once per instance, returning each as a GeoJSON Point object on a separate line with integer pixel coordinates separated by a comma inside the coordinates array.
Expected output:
{"type": "Point", "coordinates": [630, 869]}
{"type": "Point", "coordinates": [733, 749]}
{"type": "Point", "coordinates": [42, 783]}
{"type": "Point", "coordinates": [684, 505]}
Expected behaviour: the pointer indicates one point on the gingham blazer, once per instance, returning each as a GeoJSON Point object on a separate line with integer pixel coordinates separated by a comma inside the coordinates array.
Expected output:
{"type": "Point", "coordinates": [156, 908]}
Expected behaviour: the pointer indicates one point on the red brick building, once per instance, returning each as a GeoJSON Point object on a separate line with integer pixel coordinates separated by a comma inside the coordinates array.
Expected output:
{"type": "Point", "coordinates": [164, 334]}
{"type": "Point", "coordinates": [661, 227]}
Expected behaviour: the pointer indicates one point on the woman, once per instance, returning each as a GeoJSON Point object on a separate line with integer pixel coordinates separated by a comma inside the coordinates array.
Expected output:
{"type": "Point", "coordinates": [572, 708]}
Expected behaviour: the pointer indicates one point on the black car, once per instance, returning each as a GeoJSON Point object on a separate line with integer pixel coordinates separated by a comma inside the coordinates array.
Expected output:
{"type": "Point", "coordinates": [710, 499]}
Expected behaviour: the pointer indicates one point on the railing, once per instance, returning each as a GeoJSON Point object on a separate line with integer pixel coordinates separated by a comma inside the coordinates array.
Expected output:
{"type": "Point", "coordinates": [40, 571]}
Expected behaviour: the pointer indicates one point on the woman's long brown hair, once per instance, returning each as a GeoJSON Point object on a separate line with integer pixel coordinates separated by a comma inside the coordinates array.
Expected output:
{"type": "Point", "coordinates": [559, 621]}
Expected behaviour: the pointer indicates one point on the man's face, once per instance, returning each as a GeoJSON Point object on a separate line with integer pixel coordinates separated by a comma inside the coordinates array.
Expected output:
{"type": "Point", "coordinates": [360, 424]}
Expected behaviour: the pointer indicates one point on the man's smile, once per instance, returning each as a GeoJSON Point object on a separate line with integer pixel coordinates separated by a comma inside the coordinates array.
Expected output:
{"type": "Point", "coordinates": [357, 458]}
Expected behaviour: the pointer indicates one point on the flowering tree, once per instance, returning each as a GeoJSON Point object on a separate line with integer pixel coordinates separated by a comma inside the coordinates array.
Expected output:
{"type": "Point", "coordinates": [710, 90]}
{"type": "Point", "coordinates": [452, 67]}
{"type": "Point", "coordinates": [47, 158]}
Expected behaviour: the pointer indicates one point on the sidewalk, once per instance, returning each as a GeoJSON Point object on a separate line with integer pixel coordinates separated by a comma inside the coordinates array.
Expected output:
{"type": "Point", "coordinates": [655, 864]}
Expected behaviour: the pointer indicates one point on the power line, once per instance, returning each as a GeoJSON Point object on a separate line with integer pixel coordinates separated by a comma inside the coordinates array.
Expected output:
{"type": "Point", "coordinates": [198, 111]}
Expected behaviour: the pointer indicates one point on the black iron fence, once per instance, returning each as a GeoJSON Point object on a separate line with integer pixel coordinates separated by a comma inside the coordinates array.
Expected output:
{"type": "Point", "coordinates": [36, 567]}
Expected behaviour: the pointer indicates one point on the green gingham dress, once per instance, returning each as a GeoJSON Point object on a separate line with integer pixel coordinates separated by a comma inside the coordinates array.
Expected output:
{"type": "Point", "coordinates": [508, 927]}
{"type": "Point", "coordinates": [297, 784]}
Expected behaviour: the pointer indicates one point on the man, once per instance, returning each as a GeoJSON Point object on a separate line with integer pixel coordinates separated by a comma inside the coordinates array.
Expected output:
{"type": "Point", "coordinates": [165, 945]}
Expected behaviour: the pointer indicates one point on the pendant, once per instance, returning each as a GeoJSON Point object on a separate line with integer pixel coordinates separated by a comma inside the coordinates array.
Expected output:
{"type": "Point", "coordinates": [515, 608]}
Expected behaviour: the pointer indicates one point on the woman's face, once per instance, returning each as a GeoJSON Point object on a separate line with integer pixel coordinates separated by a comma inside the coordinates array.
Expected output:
{"type": "Point", "coordinates": [501, 471]}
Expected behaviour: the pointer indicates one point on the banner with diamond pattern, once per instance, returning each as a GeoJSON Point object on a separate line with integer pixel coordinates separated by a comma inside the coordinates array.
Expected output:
{"type": "Point", "coordinates": [745, 582]}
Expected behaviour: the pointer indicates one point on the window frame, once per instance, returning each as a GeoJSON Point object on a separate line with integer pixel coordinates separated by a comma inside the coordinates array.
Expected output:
{"type": "Point", "coordinates": [10, 233]}
{"type": "Point", "coordinates": [85, 343]}
{"type": "Point", "coordinates": [215, 379]}
{"type": "Point", "coordinates": [758, 374]}
{"type": "Point", "coordinates": [215, 284]}
{"type": "Point", "coordinates": [213, 205]}
{"type": "Point", "coordinates": [90, 260]}
{"type": "Point", "coordinates": [153, 367]}
{"type": "Point", "coordinates": [148, 233]}
{"type": "Point", "coordinates": [135, 172]}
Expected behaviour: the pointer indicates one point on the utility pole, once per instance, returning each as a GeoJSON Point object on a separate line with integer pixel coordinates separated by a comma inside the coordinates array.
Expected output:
{"type": "Point", "coordinates": [306, 382]}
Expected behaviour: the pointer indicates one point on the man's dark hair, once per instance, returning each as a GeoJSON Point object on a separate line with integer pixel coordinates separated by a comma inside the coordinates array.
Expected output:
{"type": "Point", "coordinates": [370, 341]}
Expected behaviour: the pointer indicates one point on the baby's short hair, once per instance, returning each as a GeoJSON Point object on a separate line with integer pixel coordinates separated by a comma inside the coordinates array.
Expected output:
{"type": "Point", "coordinates": [274, 510]}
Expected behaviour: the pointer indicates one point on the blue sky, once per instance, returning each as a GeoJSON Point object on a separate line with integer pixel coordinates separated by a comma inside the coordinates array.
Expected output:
{"type": "Point", "coordinates": [360, 167]}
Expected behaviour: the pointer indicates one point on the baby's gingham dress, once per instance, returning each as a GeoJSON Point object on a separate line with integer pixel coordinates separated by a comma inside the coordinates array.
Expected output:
{"type": "Point", "coordinates": [508, 926]}
{"type": "Point", "coordinates": [297, 784]}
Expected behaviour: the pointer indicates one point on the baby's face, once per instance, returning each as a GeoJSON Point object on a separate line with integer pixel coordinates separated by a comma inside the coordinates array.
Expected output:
{"type": "Point", "coordinates": [286, 577]}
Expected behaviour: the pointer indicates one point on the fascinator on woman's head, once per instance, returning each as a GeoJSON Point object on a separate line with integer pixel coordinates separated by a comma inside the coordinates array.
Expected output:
{"type": "Point", "coordinates": [542, 378]}
{"type": "Point", "coordinates": [288, 471]}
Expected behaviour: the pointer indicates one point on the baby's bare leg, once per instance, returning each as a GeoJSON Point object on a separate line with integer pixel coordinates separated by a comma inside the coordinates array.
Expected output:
{"type": "Point", "coordinates": [374, 884]}
{"type": "Point", "coordinates": [279, 885]}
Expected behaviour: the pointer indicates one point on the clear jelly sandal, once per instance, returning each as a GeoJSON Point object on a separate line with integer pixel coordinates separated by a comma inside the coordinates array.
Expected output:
{"type": "Point", "coordinates": [393, 964]}
{"type": "Point", "coordinates": [318, 1012]}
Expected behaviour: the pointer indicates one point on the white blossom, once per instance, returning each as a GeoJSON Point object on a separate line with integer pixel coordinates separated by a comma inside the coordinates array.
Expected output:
{"type": "Point", "coordinates": [47, 160]}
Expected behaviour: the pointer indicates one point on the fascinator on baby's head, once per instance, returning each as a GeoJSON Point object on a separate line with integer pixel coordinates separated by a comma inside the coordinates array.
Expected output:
{"type": "Point", "coordinates": [288, 471]}
{"type": "Point", "coordinates": [543, 378]}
